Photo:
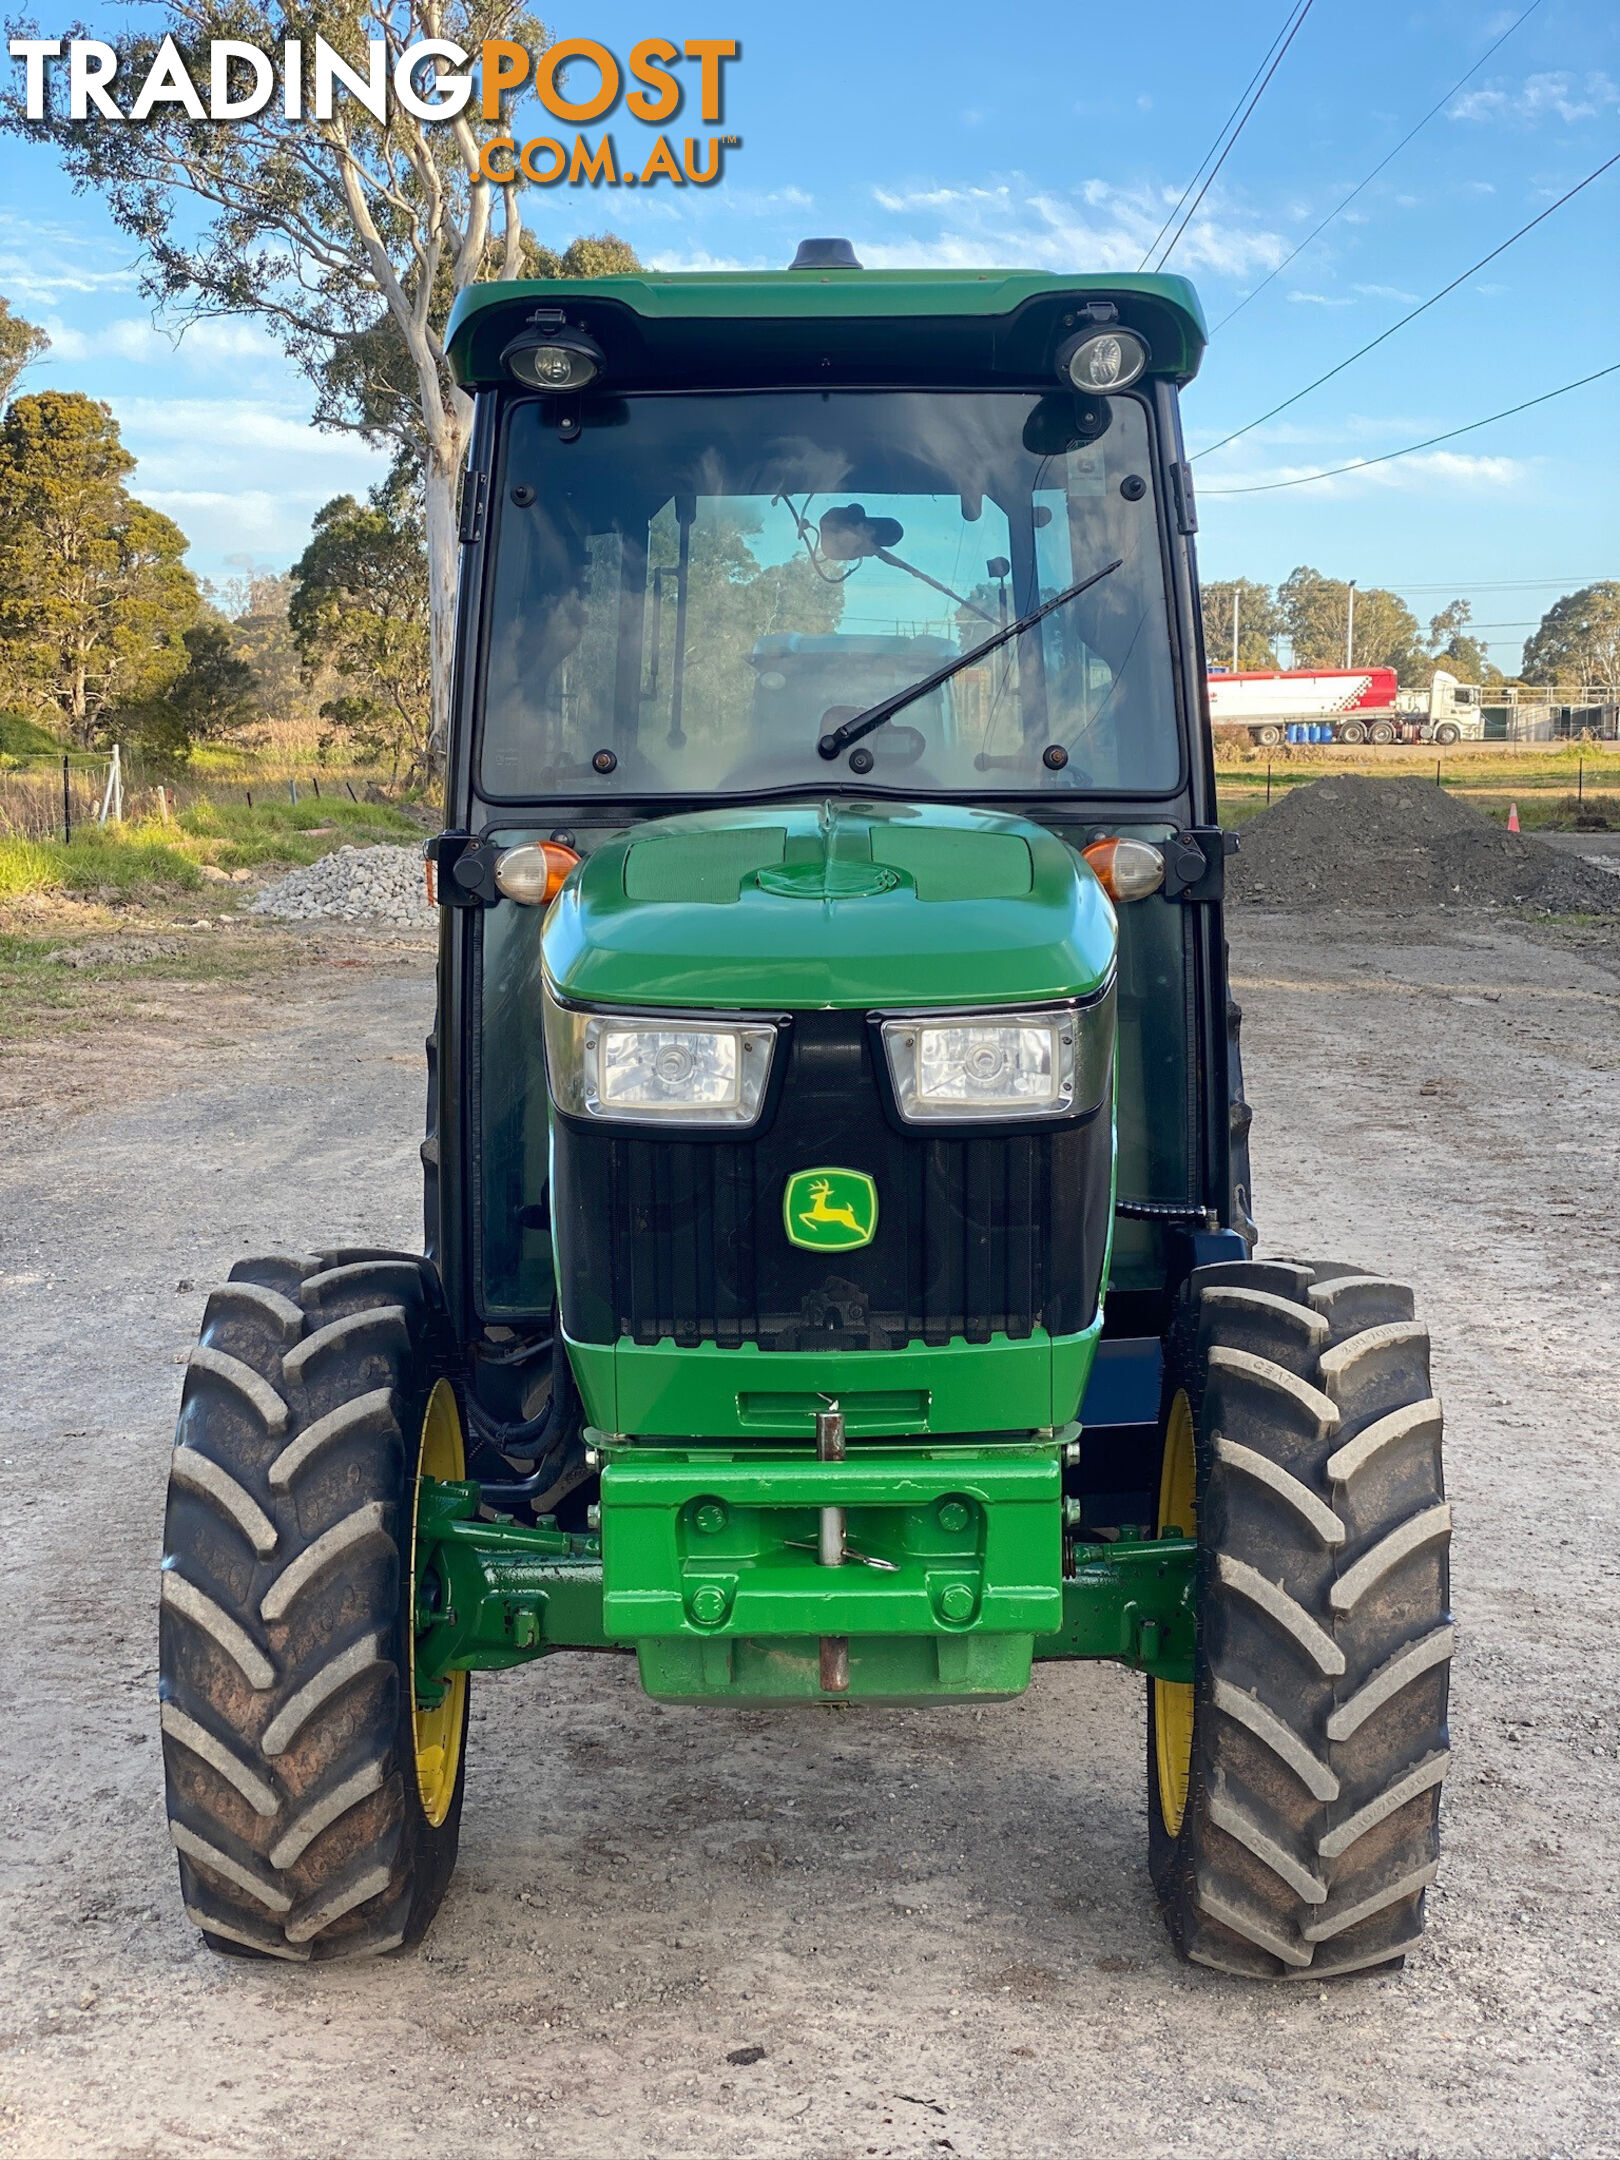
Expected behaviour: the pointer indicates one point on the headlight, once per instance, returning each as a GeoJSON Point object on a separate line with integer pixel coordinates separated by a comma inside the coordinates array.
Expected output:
{"type": "Point", "coordinates": [630, 1070]}
{"type": "Point", "coordinates": [962, 1067]}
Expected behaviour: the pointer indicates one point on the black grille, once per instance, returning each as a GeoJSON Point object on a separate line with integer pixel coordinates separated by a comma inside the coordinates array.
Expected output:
{"type": "Point", "coordinates": [684, 1239]}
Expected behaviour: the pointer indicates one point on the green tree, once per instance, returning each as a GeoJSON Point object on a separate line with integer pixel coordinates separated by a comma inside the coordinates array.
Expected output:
{"type": "Point", "coordinates": [1578, 639]}
{"type": "Point", "coordinates": [351, 237]}
{"type": "Point", "coordinates": [1315, 613]}
{"type": "Point", "coordinates": [1451, 647]}
{"type": "Point", "coordinates": [260, 633]}
{"type": "Point", "coordinates": [212, 695]}
{"type": "Point", "coordinates": [94, 596]}
{"type": "Point", "coordinates": [360, 607]}
{"type": "Point", "coordinates": [1258, 623]}
{"type": "Point", "coordinates": [20, 345]}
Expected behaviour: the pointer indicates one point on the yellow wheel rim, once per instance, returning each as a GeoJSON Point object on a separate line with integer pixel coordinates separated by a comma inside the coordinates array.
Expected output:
{"type": "Point", "coordinates": [439, 1731]}
{"type": "Point", "coordinates": [1173, 1699]}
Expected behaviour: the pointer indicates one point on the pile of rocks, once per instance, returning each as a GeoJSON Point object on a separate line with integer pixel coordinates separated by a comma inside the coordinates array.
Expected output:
{"type": "Point", "coordinates": [353, 884]}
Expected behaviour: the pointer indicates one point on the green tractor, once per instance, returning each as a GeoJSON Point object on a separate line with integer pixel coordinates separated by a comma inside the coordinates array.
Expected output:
{"type": "Point", "coordinates": [838, 1283]}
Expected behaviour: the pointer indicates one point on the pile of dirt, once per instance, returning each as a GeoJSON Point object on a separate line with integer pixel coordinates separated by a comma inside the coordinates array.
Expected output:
{"type": "Point", "coordinates": [1404, 847]}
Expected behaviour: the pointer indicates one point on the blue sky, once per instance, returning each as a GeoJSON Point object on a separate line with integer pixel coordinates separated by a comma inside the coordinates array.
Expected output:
{"type": "Point", "coordinates": [943, 134]}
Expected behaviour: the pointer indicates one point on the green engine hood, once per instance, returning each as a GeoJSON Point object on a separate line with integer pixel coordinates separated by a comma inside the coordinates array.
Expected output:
{"type": "Point", "coordinates": [831, 904]}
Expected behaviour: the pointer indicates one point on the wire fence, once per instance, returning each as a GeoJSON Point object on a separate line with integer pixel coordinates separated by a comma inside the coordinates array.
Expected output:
{"type": "Point", "coordinates": [48, 795]}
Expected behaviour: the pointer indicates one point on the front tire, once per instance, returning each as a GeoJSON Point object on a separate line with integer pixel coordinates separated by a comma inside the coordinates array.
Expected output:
{"type": "Point", "coordinates": [312, 1817]}
{"type": "Point", "coordinates": [1294, 1788]}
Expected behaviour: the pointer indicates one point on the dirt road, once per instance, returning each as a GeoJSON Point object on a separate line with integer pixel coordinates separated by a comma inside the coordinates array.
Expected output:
{"type": "Point", "coordinates": [933, 1932]}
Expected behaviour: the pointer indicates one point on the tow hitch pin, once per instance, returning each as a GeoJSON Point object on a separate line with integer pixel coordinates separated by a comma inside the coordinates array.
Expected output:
{"type": "Point", "coordinates": [851, 1552]}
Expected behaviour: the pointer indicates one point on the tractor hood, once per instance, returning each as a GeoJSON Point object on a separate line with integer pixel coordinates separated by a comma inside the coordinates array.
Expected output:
{"type": "Point", "coordinates": [831, 904]}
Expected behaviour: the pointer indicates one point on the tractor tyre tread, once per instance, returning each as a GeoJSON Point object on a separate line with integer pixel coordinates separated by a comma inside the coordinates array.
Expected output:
{"type": "Point", "coordinates": [287, 1739]}
{"type": "Point", "coordinates": [1310, 1834]}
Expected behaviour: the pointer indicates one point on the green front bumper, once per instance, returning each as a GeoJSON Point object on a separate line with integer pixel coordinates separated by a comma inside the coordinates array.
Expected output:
{"type": "Point", "coordinates": [702, 1392]}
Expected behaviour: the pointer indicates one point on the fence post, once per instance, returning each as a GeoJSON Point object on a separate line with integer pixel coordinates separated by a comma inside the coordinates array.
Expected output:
{"type": "Point", "coordinates": [67, 805]}
{"type": "Point", "coordinates": [106, 796]}
{"type": "Point", "coordinates": [292, 790]}
{"type": "Point", "coordinates": [118, 783]}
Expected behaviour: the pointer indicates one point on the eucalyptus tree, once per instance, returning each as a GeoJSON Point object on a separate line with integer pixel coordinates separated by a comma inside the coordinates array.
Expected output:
{"type": "Point", "coordinates": [348, 232]}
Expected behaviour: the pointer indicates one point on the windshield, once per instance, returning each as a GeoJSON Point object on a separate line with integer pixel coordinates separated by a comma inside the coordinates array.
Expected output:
{"type": "Point", "coordinates": [690, 592]}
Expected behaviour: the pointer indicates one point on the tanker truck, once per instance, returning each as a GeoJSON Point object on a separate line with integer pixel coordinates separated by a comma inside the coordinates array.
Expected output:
{"type": "Point", "coordinates": [1341, 705]}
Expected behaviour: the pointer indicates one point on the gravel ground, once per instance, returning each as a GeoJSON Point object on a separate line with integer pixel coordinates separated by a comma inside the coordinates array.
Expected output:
{"type": "Point", "coordinates": [932, 1932]}
{"type": "Point", "coordinates": [352, 884]}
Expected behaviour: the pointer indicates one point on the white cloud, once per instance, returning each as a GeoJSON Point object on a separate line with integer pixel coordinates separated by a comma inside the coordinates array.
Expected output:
{"type": "Point", "coordinates": [211, 428]}
{"type": "Point", "coordinates": [1559, 94]}
{"type": "Point", "coordinates": [29, 283]}
{"type": "Point", "coordinates": [700, 259]}
{"type": "Point", "coordinates": [237, 473]}
{"type": "Point", "coordinates": [1092, 226]}
{"type": "Point", "coordinates": [42, 262]}
{"type": "Point", "coordinates": [1385, 292]}
{"type": "Point", "coordinates": [141, 343]}
{"type": "Point", "coordinates": [1420, 473]}
{"type": "Point", "coordinates": [1317, 299]}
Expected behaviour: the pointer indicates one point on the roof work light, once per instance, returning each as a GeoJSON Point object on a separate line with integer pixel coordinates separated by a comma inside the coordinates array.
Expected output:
{"type": "Point", "coordinates": [1102, 360]}
{"type": "Point", "coordinates": [548, 358]}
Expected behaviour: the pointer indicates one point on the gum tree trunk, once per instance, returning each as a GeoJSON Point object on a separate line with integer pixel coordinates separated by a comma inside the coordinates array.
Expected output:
{"type": "Point", "coordinates": [442, 474]}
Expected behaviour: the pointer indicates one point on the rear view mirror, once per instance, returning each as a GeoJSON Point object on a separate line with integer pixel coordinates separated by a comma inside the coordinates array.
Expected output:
{"type": "Point", "coordinates": [849, 535]}
{"type": "Point", "coordinates": [1060, 423]}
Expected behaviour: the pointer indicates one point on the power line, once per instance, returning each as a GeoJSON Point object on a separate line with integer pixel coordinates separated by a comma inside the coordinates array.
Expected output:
{"type": "Point", "coordinates": [1546, 584]}
{"type": "Point", "coordinates": [1220, 136]}
{"type": "Point", "coordinates": [1421, 309]}
{"type": "Point", "coordinates": [1236, 132]}
{"type": "Point", "coordinates": [1270, 487]}
{"type": "Point", "coordinates": [1377, 169]}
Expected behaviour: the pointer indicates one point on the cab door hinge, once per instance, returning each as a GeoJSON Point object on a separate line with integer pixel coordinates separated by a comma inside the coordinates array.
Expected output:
{"type": "Point", "coordinates": [1181, 481]}
{"type": "Point", "coordinates": [474, 504]}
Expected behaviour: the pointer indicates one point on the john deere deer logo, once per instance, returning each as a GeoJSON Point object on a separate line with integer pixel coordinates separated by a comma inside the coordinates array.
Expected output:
{"type": "Point", "coordinates": [830, 1210]}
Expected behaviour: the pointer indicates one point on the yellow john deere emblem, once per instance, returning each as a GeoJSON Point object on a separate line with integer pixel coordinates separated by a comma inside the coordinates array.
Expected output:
{"type": "Point", "coordinates": [830, 1210]}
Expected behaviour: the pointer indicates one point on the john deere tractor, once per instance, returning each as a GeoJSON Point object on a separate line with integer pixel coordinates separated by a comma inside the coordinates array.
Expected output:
{"type": "Point", "coordinates": [838, 1283]}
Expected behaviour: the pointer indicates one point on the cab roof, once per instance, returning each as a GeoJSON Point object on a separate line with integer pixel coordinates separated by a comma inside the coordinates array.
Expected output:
{"type": "Point", "coordinates": [739, 327]}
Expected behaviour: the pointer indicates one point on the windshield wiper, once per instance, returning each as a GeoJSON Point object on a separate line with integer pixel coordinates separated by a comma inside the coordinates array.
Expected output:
{"type": "Point", "coordinates": [863, 723]}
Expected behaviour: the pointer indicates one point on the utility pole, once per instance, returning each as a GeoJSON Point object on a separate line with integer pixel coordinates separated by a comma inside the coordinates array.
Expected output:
{"type": "Point", "coordinates": [1237, 595]}
{"type": "Point", "coordinates": [1350, 628]}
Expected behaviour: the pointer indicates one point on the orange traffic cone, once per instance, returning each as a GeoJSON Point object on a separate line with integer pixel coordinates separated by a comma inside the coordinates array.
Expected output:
{"type": "Point", "coordinates": [1513, 817]}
